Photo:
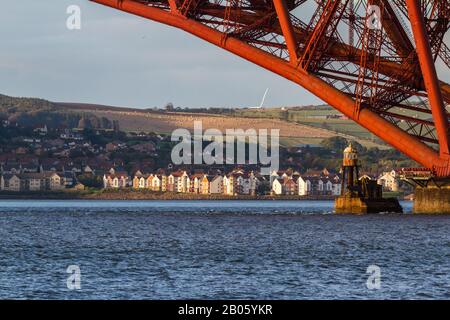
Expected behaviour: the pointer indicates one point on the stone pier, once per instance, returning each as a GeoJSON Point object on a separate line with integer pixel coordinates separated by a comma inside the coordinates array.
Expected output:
{"type": "Point", "coordinates": [360, 205]}
{"type": "Point", "coordinates": [432, 199]}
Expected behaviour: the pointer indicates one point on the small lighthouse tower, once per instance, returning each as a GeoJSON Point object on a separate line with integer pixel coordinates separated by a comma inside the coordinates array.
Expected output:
{"type": "Point", "coordinates": [350, 172]}
{"type": "Point", "coordinates": [361, 195]}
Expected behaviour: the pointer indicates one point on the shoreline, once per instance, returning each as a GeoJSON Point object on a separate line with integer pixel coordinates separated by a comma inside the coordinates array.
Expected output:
{"type": "Point", "coordinates": [144, 195]}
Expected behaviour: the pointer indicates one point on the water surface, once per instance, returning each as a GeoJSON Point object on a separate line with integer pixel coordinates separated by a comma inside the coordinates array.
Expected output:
{"type": "Point", "coordinates": [218, 250]}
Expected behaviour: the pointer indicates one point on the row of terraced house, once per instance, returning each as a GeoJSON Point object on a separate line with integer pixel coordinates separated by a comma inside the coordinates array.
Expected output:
{"type": "Point", "coordinates": [35, 181]}
{"type": "Point", "coordinates": [306, 185]}
{"type": "Point", "coordinates": [236, 182]}
{"type": "Point", "coordinates": [22, 178]}
{"type": "Point", "coordinates": [233, 183]}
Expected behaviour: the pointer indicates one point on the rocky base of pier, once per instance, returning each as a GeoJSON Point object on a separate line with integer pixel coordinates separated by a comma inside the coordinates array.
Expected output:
{"type": "Point", "coordinates": [359, 205]}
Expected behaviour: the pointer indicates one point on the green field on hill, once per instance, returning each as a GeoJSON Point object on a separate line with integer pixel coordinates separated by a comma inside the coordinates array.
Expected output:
{"type": "Point", "coordinates": [33, 112]}
{"type": "Point", "coordinates": [316, 117]}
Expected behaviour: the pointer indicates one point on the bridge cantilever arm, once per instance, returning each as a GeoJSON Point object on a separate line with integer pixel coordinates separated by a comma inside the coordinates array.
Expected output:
{"type": "Point", "coordinates": [387, 131]}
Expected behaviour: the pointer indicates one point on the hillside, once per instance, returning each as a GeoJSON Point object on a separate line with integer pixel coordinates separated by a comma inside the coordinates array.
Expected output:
{"type": "Point", "coordinates": [35, 112]}
{"type": "Point", "coordinates": [296, 125]}
{"type": "Point", "coordinates": [14, 104]}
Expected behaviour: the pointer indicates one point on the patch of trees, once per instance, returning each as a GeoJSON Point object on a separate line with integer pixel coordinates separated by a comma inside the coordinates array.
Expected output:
{"type": "Point", "coordinates": [59, 120]}
{"type": "Point", "coordinates": [13, 104]}
{"type": "Point", "coordinates": [90, 180]}
{"type": "Point", "coordinates": [32, 112]}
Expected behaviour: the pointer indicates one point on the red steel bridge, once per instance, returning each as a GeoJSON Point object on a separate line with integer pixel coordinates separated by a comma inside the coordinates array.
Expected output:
{"type": "Point", "coordinates": [373, 60]}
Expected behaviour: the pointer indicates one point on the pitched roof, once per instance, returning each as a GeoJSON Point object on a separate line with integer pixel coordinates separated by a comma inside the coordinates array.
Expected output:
{"type": "Point", "coordinates": [33, 175]}
{"type": "Point", "coordinates": [117, 175]}
{"type": "Point", "coordinates": [8, 176]}
{"type": "Point", "coordinates": [177, 173]}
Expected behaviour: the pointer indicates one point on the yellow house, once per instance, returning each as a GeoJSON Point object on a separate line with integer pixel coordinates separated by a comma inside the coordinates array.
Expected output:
{"type": "Point", "coordinates": [149, 182]}
{"type": "Point", "coordinates": [139, 182]}
{"type": "Point", "coordinates": [156, 183]}
{"type": "Point", "coordinates": [205, 184]}
{"type": "Point", "coordinates": [163, 179]}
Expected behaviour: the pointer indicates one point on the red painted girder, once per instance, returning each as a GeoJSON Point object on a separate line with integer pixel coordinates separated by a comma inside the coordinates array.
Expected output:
{"type": "Point", "coordinates": [429, 75]}
{"type": "Point", "coordinates": [394, 29]}
{"type": "Point", "coordinates": [336, 49]}
{"type": "Point", "coordinates": [287, 29]}
{"type": "Point", "coordinates": [319, 36]}
{"type": "Point", "coordinates": [393, 135]}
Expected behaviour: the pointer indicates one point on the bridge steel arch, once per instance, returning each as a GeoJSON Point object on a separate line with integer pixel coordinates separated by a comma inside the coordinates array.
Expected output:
{"type": "Point", "coordinates": [372, 60]}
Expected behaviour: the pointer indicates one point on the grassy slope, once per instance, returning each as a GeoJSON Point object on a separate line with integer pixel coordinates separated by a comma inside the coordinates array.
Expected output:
{"type": "Point", "coordinates": [298, 125]}
{"type": "Point", "coordinates": [132, 119]}
{"type": "Point", "coordinates": [310, 117]}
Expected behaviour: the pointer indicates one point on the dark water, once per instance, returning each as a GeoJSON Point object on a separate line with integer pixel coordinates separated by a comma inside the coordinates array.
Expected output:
{"type": "Point", "coordinates": [218, 250]}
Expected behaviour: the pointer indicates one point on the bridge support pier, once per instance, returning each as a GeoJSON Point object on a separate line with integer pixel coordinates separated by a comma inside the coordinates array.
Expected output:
{"type": "Point", "coordinates": [351, 204]}
{"type": "Point", "coordinates": [433, 198]}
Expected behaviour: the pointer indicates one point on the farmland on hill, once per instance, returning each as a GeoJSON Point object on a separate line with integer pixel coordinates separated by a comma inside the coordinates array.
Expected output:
{"type": "Point", "coordinates": [305, 125]}
{"type": "Point", "coordinates": [293, 131]}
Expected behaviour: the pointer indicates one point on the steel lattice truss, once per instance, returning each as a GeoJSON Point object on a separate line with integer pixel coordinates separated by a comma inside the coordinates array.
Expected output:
{"type": "Point", "coordinates": [377, 70]}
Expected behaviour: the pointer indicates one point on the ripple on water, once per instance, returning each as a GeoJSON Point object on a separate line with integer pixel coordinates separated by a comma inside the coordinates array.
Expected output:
{"type": "Point", "coordinates": [227, 250]}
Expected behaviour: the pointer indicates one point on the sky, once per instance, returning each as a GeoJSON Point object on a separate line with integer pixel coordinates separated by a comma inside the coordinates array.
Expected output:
{"type": "Point", "coordinates": [123, 60]}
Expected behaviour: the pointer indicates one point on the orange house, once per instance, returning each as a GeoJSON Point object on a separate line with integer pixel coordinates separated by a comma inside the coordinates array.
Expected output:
{"type": "Point", "coordinates": [204, 187]}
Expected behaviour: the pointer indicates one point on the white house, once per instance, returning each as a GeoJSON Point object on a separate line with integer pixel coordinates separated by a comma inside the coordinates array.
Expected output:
{"type": "Point", "coordinates": [183, 183]}
{"type": "Point", "coordinates": [195, 181]}
{"type": "Point", "coordinates": [56, 182]}
{"type": "Point", "coordinates": [251, 184]}
{"type": "Point", "coordinates": [273, 176]}
{"type": "Point", "coordinates": [336, 191]}
{"type": "Point", "coordinates": [10, 182]}
{"type": "Point", "coordinates": [115, 181]}
{"type": "Point", "coordinates": [238, 183]}
{"type": "Point", "coordinates": [228, 184]}
{"type": "Point", "coordinates": [216, 185]}
{"type": "Point", "coordinates": [328, 186]}
{"type": "Point", "coordinates": [178, 181]}
{"type": "Point", "coordinates": [34, 181]}
{"type": "Point", "coordinates": [277, 186]}
{"type": "Point", "coordinates": [389, 181]}
{"type": "Point", "coordinates": [304, 186]}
